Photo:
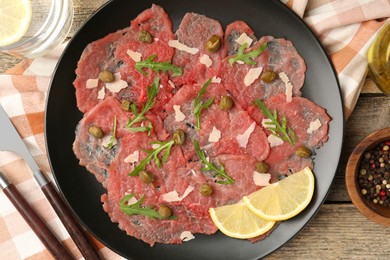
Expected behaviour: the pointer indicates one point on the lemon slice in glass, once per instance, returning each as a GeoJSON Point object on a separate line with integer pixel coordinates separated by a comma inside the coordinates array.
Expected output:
{"type": "Point", "coordinates": [15, 18]}
{"type": "Point", "coordinates": [284, 199]}
{"type": "Point", "coordinates": [238, 221]}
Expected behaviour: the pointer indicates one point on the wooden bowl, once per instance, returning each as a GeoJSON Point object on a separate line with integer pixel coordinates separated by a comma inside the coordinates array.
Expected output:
{"type": "Point", "coordinates": [374, 212]}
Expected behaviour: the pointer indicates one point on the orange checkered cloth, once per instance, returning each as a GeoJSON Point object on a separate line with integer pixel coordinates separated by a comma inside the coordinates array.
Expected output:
{"type": "Point", "coordinates": [346, 28]}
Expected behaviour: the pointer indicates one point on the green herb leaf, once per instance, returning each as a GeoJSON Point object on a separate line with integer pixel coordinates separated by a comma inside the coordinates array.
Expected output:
{"type": "Point", "coordinates": [220, 172]}
{"type": "Point", "coordinates": [113, 138]}
{"type": "Point", "coordinates": [157, 66]}
{"type": "Point", "coordinates": [200, 105]}
{"type": "Point", "coordinates": [249, 56]}
{"type": "Point", "coordinates": [154, 154]}
{"type": "Point", "coordinates": [136, 209]}
{"type": "Point", "coordinates": [277, 129]}
{"type": "Point", "coordinates": [139, 117]}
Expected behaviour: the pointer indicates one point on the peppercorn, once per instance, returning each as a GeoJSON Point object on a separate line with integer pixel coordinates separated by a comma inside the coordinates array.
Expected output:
{"type": "Point", "coordinates": [374, 175]}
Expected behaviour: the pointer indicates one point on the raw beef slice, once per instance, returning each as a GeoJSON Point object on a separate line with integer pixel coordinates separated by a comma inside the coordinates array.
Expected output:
{"type": "Point", "coordinates": [194, 31]}
{"type": "Point", "coordinates": [300, 112]}
{"type": "Point", "coordinates": [112, 53]}
{"type": "Point", "coordinates": [89, 149]}
{"type": "Point", "coordinates": [279, 56]}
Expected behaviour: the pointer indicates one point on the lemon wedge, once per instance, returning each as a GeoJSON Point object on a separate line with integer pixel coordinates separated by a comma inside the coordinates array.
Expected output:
{"type": "Point", "coordinates": [15, 18]}
{"type": "Point", "coordinates": [238, 221]}
{"type": "Point", "coordinates": [284, 199]}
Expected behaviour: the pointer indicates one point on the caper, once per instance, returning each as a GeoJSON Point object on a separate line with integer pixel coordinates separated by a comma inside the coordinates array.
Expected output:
{"type": "Point", "coordinates": [126, 105]}
{"type": "Point", "coordinates": [144, 36]}
{"type": "Point", "coordinates": [268, 76]}
{"type": "Point", "coordinates": [146, 177]}
{"type": "Point", "coordinates": [96, 131]}
{"type": "Point", "coordinates": [262, 167]}
{"type": "Point", "coordinates": [205, 189]}
{"type": "Point", "coordinates": [303, 152]}
{"type": "Point", "coordinates": [164, 211]}
{"type": "Point", "coordinates": [106, 76]}
{"type": "Point", "coordinates": [179, 137]}
{"type": "Point", "coordinates": [226, 103]}
{"type": "Point", "coordinates": [213, 44]}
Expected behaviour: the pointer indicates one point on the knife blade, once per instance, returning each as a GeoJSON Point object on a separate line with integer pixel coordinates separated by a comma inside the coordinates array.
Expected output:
{"type": "Point", "coordinates": [10, 140]}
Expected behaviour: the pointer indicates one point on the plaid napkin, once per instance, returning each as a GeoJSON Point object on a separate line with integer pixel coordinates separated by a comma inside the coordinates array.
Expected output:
{"type": "Point", "coordinates": [346, 28]}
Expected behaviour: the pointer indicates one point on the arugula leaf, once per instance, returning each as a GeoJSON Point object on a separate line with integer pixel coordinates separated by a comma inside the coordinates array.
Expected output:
{"type": "Point", "coordinates": [164, 147]}
{"type": "Point", "coordinates": [157, 66]}
{"type": "Point", "coordinates": [199, 105]}
{"type": "Point", "coordinates": [249, 56]}
{"type": "Point", "coordinates": [136, 209]}
{"type": "Point", "coordinates": [220, 172]}
{"type": "Point", "coordinates": [277, 129]}
{"type": "Point", "coordinates": [113, 138]}
{"type": "Point", "coordinates": [139, 117]}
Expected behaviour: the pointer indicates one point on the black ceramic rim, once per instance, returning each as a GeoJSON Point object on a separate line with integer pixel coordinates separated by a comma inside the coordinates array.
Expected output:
{"type": "Point", "coordinates": [81, 190]}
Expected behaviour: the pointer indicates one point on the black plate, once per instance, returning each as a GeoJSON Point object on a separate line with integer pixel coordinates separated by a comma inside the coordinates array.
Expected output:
{"type": "Point", "coordinates": [82, 191]}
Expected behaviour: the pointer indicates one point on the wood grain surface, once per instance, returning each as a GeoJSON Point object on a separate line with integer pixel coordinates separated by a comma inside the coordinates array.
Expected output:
{"type": "Point", "coordinates": [339, 230]}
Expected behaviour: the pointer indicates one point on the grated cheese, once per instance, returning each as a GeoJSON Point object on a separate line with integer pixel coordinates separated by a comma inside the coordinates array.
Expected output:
{"type": "Point", "coordinates": [182, 47]}
{"type": "Point", "coordinates": [134, 55]}
{"type": "Point", "coordinates": [261, 179]}
{"type": "Point", "coordinates": [186, 236]}
{"type": "Point", "coordinates": [274, 141]}
{"type": "Point", "coordinates": [92, 83]}
{"type": "Point", "coordinates": [117, 85]}
{"type": "Point", "coordinates": [179, 116]}
{"type": "Point", "coordinates": [289, 87]}
{"type": "Point", "coordinates": [252, 75]}
{"type": "Point", "coordinates": [244, 38]}
{"type": "Point", "coordinates": [174, 196]}
{"type": "Point", "coordinates": [314, 126]}
{"type": "Point", "coordinates": [244, 138]}
{"type": "Point", "coordinates": [205, 59]}
{"type": "Point", "coordinates": [215, 135]}
{"type": "Point", "coordinates": [132, 158]}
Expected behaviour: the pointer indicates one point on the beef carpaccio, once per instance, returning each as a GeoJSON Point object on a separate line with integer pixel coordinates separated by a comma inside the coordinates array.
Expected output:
{"type": "Point", "coordinates": [176, 122]}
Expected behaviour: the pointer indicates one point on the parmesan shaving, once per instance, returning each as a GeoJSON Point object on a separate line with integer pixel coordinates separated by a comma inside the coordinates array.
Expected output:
{"type": "Point", "coordinates": [265, 125]}
{"type": "Point", "coordinates": [289, 87]}
{"type": "Point", "coordinates": [132, 200]}
{"type": "Point", "coordinates": [314, 126]}
{"type": "Point", "coordinates": [244, 38]}
{"type": "Point", "coordinates": [102, 93]}
{"type": "Point", "coordinates": [252, 75]}
{"type": "Point", "coordinates": [261, 179]}
{"type": "Point", "coordinates": [92, 83]}
{"type": "Point", "coordinates": [216, 79]}
{"type": "Point", "coordinates": [106, 141]}
{"type": "Point", "coordinates": [186, 236]}
{"type": "Point", "coordinates": [274, 141]}
{"type": "Point", "coordinates": [179, 116]}
{"type": "Point", "coordinates": [174, 196]}
{"type": "Point", "coordinates": [182, 47]}
{"type": "Point", "coordinates": [134, 55]}
{"type": "Point", "coordinates": [155, 146]}
{"type": "Point", "coordinates": [205, 59]}
{"type": "Point", "coordinates": [132, 158]}
{"type": "Point", "coordinates": [171, 84]}
{"type": "Point", "coordinates": [117, 85]}
{"type": "Point", "coordinates": [244, 138]}
{"type": "Point", "coordinates": [215, 135]}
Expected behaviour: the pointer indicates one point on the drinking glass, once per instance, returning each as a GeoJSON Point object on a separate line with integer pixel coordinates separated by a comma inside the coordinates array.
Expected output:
{"type": "Point", "coordinates": [50, 23]}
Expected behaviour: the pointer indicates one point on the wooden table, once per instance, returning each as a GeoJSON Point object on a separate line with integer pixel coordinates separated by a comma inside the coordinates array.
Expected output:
{"type": "Point", "coordinates": [338, 231]}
